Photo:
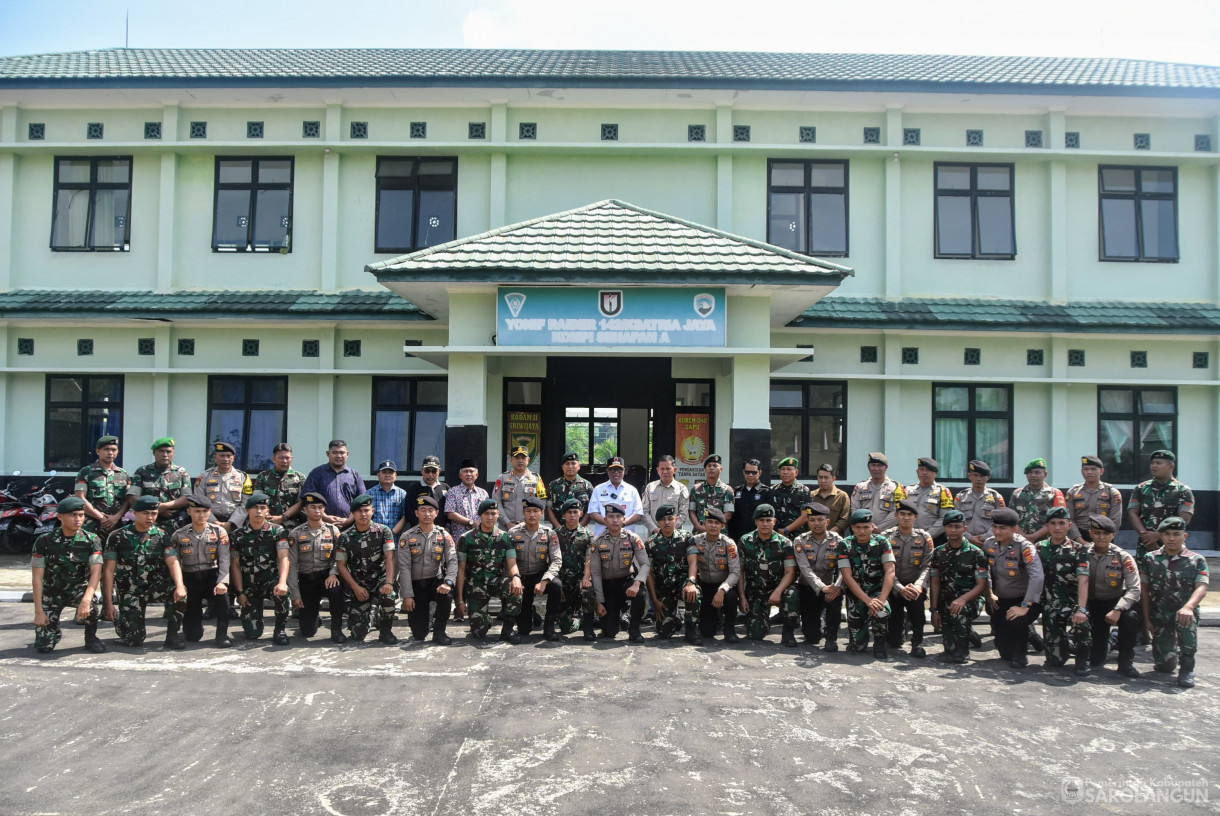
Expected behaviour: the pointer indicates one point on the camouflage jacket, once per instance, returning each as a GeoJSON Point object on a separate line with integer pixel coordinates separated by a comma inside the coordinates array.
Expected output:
{"type": "Point", "coordinates": [1031, 505]}
{"type": "Point", "coordinates": [484, 554]}
{"type": "Point", "coordinates": [763, 562]}
{"type": "Point", "coordinates": [1157, 501]}
{"type": "Point", "coordinates": [1170, 580]}
{"type": "Point", "coordinates": [104, 489]}
{"type": "Point", "coordinates": [574, 547]}
{"type": "Point", "coordinates": [283, 488]}
{"type": "Point", "coordinates": [703, 496]}
{"type": "Point", "coordinates": [668, 556]}
{"type": "Point", "coordinates": [163, 485]}
{"type": "Point", "coordinates": [561, 490]}
{"type": "Point", "coordinates": [789, 502]}
{"type": "Point", "coordinates": [1061, 567]}
{"type": "Point", "coordinates": [139, 557]}
{"type": "Point", "coordinates": [959, 570]}
{"type": "Point", "coordinates": [66, 563]}
{"type": "Point", "coordinates": [365, 553]}
{"type": "Point", "coordinates": [867, 561]}
{"type": "Point", "coordinates": [258, 550]}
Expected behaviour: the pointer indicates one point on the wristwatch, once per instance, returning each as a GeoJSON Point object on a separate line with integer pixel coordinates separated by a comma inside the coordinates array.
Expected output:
{"type": "Point", "coordinates": [1025, 604]}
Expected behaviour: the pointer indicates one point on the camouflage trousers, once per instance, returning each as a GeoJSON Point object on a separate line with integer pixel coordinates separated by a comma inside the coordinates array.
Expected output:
{"type": "Point", "coordinates": [1062, 638]}
{"type": "Point", "coordinates": [669, 594]}
{"type": "Point", "coordinates": [955, 629]}
{"type": "Point", "coordinates": [478, 602]}
{"type": "Point", "coordinates": [1169, 638]}
{"type": "Point", "coordinates": [54, 601]}
{"type": "Point", "coordinates": [260, 586]}
{"type": "Point", "coordinates": [860, 623]}
{"type": "Point", "coordinates": [574, 602]}
{"type": "Point", "coordinates": [133, 594]}
{"type": "Point", "coordinates": [758, 619]}
{"type": "Point", "coordinates": [360, 613]}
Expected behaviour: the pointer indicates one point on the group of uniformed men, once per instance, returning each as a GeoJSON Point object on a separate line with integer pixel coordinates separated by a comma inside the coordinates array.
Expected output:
{"type": "Point", "coordinates": [887, 553]}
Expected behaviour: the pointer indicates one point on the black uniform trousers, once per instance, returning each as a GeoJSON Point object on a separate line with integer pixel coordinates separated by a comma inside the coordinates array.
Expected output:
{"type": "Point", "coordinates": [1012, 636]}
{"type": "Point", "coordinates": [615, 592]}
{"type": "Point", "coordinates": [902, 610]}
{"type": "Point", "coordinates": [813, 604]}
{"type": "Point", "coordinates": [709, 616]}
{"type": "Point", "coordinates": [425, 593]}
{"type": "Point", "coordinates": [313, 590]}
{"type": "Point", "coordinates": [554, 598]}
{"type": "Point", "coordinates": [1128, 630]}
{"type": "Point", "coordinates": [201, 588]}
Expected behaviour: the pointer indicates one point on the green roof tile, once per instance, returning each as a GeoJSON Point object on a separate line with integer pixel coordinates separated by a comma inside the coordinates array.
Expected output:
{"type": "Point", "coordinates": [227, 304]}
{"type": "Point", "coordinates": [972, 314]}
{"type": "Point", "coordinates": [165, 67]}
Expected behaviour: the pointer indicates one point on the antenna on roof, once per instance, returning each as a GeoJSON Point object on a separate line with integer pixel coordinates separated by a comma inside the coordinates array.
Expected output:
{"type": "Point", "coordinates": [127, 29]}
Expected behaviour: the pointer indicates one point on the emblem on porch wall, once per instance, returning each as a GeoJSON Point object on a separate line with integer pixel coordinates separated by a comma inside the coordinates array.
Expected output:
{"type": "Point", "coordinates": [610, 302]}
{"type": "Point", "coordinates": [515, 301]}
{"type": "Point", "coordinates": [705, 304]}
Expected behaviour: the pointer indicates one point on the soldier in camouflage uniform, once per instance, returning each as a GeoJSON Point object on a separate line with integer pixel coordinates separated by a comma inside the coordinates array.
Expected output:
{"type": "Point", "coordinates": [571, 485]}
{"type": "Point", "coordinates": [258, 569]}
{"type": "Point", "coordinates": [135, 572]}
{"type": "Point", "coordinates": [282, 487]}
{"type": "Point", "coordinates": [959, 579]}
{"type": "Point", "coordinates": [789, 499]}
{"type": "Point", "coordinates": [1157, 499]}
{"type": "Point", "coordinates": [575, 539]}
{"type": "Point", "coordinates": [482, 555]}
{"type": "Point", "coordinates": [768, 573]}
{"type": "Point", "coordinates": [67, 568]}
{"type": "Point", "coordinates": [164, 481]}
{"type": "Point", "coordinates": [1174, 583]}
{"type": "Point", "coordinates": [366, 561]}
{"type": "Point", "coordinates": [673, 576]}
{"type": "Point", "coordinates": [1065, 594]}
{"type": "Point", "coordinates": [710, 493]}
{"type": "Point", "coordinates": [867, 564]}
{"type": "Point", "coordinates": [103, 485]}
{"type": "Point", "coordinates": [1033, 500]}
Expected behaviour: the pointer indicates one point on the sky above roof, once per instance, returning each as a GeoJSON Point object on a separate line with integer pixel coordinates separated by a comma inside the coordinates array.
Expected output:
{"type": "Point", "coordinates": [1178, 31]}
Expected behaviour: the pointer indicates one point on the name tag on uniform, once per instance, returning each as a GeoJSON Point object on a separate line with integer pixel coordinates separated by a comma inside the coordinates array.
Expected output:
{"type": "Point", "coordinates": [306, 547]}
{"type": "Point", "coordinates": [188, 550]}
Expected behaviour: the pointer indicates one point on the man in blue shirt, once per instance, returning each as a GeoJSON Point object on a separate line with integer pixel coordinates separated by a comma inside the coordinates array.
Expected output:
{"type": "Point", "coordinates": [338, 483]}
{"type": "Point", "coordinates": [389, 499]}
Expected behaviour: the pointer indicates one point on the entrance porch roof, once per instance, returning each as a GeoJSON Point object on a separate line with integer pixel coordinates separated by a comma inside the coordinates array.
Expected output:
{"type": "Point", "coordinates": [610, 243]}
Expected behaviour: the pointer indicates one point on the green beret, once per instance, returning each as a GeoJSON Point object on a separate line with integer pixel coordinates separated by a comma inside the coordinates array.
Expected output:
{"type": "Point", "coordinates": [163, 442]}
{"type": "Point", "coordinates": [360, 501]}
{"type": "Point", "coordinates": [257, 498]}
{"type": "Point", "coordinates": [665, 511]}
{"type": "Point", "coordinates": [954, 517]}
{"type": "Point", "coordinates": [72, 504]}
{"type": "Point", "coordinates": [1163, 454]}
{"type": "Point", "coordinates": [1035, 463]}
{"type": "Point", "coordinates": [1057, 513]}
{"type": "Point", "coordinates": [487, 504]}
{"type": "Point", "coordinates": [106, 440]}
{"type": "Point", "coordinates": [764, 511]}
{"type": "Point", "coordinates": [790, 461]}
{"type": "Point", "coordinates": [571, 504]}
{"type": "Point", "coordinates": [860, 516]}
{"type": "Point", "coordinates": [1171, 523]}
{"type": "Point", "coordinates": [145, 503]}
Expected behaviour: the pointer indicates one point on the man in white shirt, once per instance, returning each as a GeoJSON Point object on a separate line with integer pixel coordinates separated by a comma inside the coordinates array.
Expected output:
{"type": "Point", "coordinates": [615, 491]}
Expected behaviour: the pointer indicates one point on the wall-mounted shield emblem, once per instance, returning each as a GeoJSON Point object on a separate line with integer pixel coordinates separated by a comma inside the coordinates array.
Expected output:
{"type": "Point", "coordinates": [610, 302]}
{"type": "Point", "coordinates": [515, 301]}
{"type": "Point", "coordinates": [705, 304]}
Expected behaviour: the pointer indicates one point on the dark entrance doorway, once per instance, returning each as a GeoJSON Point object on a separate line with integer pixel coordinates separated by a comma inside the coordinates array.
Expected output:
{"type": "Point", "coordinates": [607, 406]}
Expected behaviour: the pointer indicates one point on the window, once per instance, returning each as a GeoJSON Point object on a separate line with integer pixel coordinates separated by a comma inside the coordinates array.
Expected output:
{"type": "Point", "coordinates": [807, 207]}
{"type": "Point", "coordinates": [408, 420]}
{"type": "Point", "coordinates": [809, 421]}
{"type": "Point", "coordinates": [253, 211]}
{"type": "Point", "coordinates": [92, 204]}
{"type": "Point", "coordinates": [1131, 424]}
{"type": "Point", "coordinates": [251, 414]}
{"type": "Point", "coordinates": [591, 432]}
{"type": "Point", "coordinates": [80, 409]}
{"type": "Point", "coordinates": [1139, 213]}
{"type": "Point", "coordinates": [416, 203]}
{"type": "Point", "coordinates": [972, 422]}
{"type": "Point", "coordinates": [974, 216]}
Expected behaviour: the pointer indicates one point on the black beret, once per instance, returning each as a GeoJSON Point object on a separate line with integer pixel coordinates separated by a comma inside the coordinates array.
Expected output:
{"type": "Point", "coordinates": [487, 504]}
{"type": "Point", "coordinates": [817, 509]}
{"type": "Point", "coordinates": [570, 456]}
{"type": "Point", "coordinates": [929, 463]}
{"type": "Point", "coordinates": [146, 503]}
{"type": "Point", "coordinates": [1095, 461]}
{"type": "Point", "coordinates": [613, 508]}
{"type": "Point", "coordinates": [223, 447]}
{"type": "Point", "coordinates": [428, 501]}
{"type": "Point", "coordinates": [715, 513]}
{"type": "Point", "coordinates": [1005, 516]}
{"type": "Point", "coordinates": [193, 501]}
{"type": "Point", "coordinates": [534, 501]}
{"type": "Point", "coordinates": [1099, 522]}
{"type": "Point", "coordinates": [979, 466]}
{"type": "Point", "coordinates": [257, 498]}
{"type": "Point", "coordinates": [909, 506]}
{"type": "Point", "coordinates": [313, 498]}
{"type": "Point", "coordinates": [879, 457]}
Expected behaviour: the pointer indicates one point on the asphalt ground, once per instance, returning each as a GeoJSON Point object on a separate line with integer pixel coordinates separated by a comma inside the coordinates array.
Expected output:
{"type": "Point", "coordinates": [659, 728]}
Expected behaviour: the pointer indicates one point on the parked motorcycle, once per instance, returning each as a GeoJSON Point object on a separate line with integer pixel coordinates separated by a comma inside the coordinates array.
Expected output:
{"type": "Point", "coordinates": [25, 517]}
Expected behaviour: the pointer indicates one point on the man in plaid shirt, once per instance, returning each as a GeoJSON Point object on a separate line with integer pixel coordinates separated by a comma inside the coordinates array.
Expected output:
{"type": "Point", "coordinates": [462, 502]}
{"type": "Point", "coordinates": [388, 498]}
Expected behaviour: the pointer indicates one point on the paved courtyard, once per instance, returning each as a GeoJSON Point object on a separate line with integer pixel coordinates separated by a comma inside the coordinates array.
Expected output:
{"type": "Point", "coordinates": [364, 730]}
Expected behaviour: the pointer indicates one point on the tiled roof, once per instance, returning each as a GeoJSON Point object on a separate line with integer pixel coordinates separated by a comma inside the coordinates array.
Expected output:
{"type": "Point", "coordinates": [613, 241]}
{"type": "Point", "coordinates": [968, 314]}
{"type": "Point", "coordinates": [302, 304]}
{"type": "Point", "coordinates": [452, 66]}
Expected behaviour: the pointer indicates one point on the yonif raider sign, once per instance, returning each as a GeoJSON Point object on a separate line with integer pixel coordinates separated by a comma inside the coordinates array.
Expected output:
{"type": "Point", "coordinates": [646, 316]}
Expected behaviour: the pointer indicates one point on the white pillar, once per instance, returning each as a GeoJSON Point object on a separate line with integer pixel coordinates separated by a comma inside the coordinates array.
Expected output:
{"type": "Point", "coordinates": [165, 221]}
{"type": "Point", "coordinates": [8, 168]}
{"type": "Point", "coordinates": [893, 227]}
{"type": "Point", "coordinates": [328, 272]}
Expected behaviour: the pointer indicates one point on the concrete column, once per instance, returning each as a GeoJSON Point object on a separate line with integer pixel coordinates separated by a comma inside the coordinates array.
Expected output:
{"type": "Point", "coordinates": [891, 415]}
{"type": "Point", "coordinates": [748, 326]}
{"type": "Point", "coordinates": [497, 192]}
{"type": "Point", "coordinates": [1058, 229]}
{"type": "Point", "coordinates": [165, 221]}
{"type": "Point", "coordinates": [893, 125]}
{"type": "Point", "coordinates": [4, 341]}
{"type": "Point", "coordinates": [893, 227]}
{"type": "Point", "coordinates": [160, 389]}
{"type": "Point", "coordinates": [326, 387]}
{"type": "Point", "coordinates": [8, 169]}
{"type": "Point", "coordinates": [1059, 405]}
{"type": "Point", "coordinates": [333, 128]}
{"type": "Point", "coordinates": [499, 122]}
{"type": "Point", "coordinates": [1056, 128]}
{"type": "Point", "coordinates": [724, 169]}
{"type": "Point", "coordinates": [328, 272]}
{"type": "Point", "coordinates": [1215, 211]}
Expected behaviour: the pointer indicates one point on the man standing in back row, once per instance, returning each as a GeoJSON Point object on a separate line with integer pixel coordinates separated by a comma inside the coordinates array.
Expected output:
{"type": "Point", "coordinates": [1092, 497]}
{"type": "Point", "coordinates": [514, 486]}
{"type": "Point", "coordinates": [879, 494]}
{"type": "Point", "coordinates": [1157, 499]}
{"type": "Point", "coordinates": [930, 498]}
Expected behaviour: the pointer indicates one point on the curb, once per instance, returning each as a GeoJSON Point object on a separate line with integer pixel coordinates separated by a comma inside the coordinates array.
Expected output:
{"type": "Point", "coordinates": [16, 596]}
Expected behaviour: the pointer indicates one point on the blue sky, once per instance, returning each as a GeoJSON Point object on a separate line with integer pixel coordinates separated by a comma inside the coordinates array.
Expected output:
{"type": "Point", "coordinates": [1170, 30]}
